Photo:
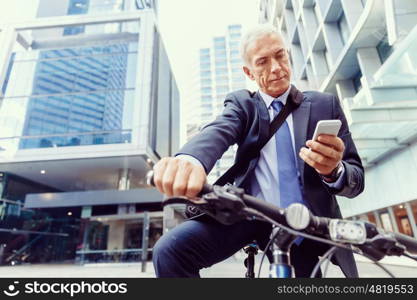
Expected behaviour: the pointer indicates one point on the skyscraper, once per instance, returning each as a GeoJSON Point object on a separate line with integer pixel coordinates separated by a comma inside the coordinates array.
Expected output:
{"type": "Point", "coordinates": [88, 104]}
{"type": "Point", "coordinates": [220, 73]}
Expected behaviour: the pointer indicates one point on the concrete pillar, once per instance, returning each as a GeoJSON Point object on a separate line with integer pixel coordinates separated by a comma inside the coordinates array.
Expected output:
{"type": "Point", "coordinates": [312, 79]}
{"type": "Point", "coordinates": [393, 219]}
{"type": "Point", "coordinates": [319, 64]}
{"type": "Point", "coordinates": [85, 215]}
{"type": "Point", "coordinates": [116, 235]}
{"type": "Point", "coordinates": [369, 63]}
{"type": "Point", "coordinates": [124, 179]}
{"type": "Point", "coordinates": [333, 41]}
{"type": "Point", "coordinates": [411, 218]}
{"type": "Point", "coordinates": [377, 219]}
{"type": "Point", "coordinates": [145, 239]}
{"type": "Point", "coordinates": [310, 24]}
{"type": "Point", "coordinates": [7, 39]}
{"type": "Point", "coordinates": [345, 92]}
{"type": "Point", "coordinates": [352, 10]}
{"type": "Point", "coordinates": [405, 12]}
{"type": "Point", "coordinates": [2, 183]}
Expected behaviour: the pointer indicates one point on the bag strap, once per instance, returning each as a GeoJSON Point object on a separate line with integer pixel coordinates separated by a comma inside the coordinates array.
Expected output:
{"type": "Point", "coordinates": [295, 97]}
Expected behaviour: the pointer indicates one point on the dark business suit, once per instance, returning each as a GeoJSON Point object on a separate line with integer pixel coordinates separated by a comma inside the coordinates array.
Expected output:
{"type": "Point", "coordinates": [245, 121]}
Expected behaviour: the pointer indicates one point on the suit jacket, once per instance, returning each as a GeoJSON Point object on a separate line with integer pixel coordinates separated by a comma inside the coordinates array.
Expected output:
{"type": "Point", "coordinates": [245, 121]}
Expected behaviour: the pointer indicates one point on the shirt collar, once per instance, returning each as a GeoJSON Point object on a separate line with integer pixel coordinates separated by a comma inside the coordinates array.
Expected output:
{"type": "Point", "coordinates": [269, 99]}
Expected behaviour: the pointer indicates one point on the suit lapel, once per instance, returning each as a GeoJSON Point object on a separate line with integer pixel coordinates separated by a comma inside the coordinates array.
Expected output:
{"type": "Point", "coordinates": [301, 118]}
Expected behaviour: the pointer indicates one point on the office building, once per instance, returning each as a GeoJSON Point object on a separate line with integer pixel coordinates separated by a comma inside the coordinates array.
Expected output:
{"type": "Point", "coordinates": [88, 104]}
{"type": "Point", "coordinates": [220, 73]}
{"type": "Point", "coordinates": [363, 51]}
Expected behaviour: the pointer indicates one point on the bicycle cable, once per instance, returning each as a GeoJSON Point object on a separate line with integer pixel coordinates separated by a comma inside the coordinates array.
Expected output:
{"type": "Point", "coordinates": [326, 267]}
{"type": "Point", "coordinates": [317, 239]}
{"type": "Point", "coordinates": [328, 255]}
{"type": "Point", "coordinates": [410, 256]}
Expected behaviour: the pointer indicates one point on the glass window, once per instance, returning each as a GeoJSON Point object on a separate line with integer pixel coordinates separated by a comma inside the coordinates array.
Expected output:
{"type": "Point", "coordinates": [221, 71]}
{"type": "Point", "coordinates": [205, 82]}
{"type": "Point", "coordinates": [234, 44]}
{"type": "Point", "coordinates": [204, 65]}
{"type": "Point", "coordinates": [221, 64]}
{"type": "Point", "coordinates": [205, 58]}
{"type": "Point", "coordinates": [205, 73]}
{"type": "Point", "coordinates": [206, 90]}
{"type": "Point", "coordinates": [206, 98]}
{"type": "Point", "coordinates": [222, 89]}
{"type": "Point", "coordinates": [204, 51]}
{"type": "Point", "coordinates": [384, 49]}
{"type": "Point", "coordinates": [357, 81]}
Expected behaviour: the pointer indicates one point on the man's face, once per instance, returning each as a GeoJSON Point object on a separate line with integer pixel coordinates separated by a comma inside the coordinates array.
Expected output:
{"type": "Point", "coordinates": [268, 65]}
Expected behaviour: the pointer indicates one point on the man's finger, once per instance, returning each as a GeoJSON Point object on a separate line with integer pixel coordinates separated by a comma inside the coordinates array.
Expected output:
{"type": "Point", "coordinates": [317, 158]}
{"type": "Point", "coordinates": [195, 181]}
{"type": "Point", "coordinates": [324, 149]}
{"type": "Point", "coordinates": [181, 178]}
{"type": "Point", "coordinates": [158, 173]}
{"type": "Point", "coordinates": [332, 141]}
{"type": "Point", "coordinates": [169, 177]}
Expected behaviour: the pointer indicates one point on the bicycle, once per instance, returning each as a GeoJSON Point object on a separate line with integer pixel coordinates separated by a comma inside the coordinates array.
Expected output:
{"type": "Point", "coordinates": [229, 204]}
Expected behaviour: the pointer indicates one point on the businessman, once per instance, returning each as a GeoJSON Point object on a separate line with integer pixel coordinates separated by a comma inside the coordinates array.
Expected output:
{"type": "Point", "coordinates": [290, 168]}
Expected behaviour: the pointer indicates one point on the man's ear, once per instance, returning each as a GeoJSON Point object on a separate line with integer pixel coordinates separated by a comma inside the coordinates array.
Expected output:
{"type": "Point", "coordinates": [248, 72]}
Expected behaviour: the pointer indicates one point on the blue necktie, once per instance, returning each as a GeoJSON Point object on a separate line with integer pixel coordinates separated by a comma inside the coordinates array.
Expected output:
{"type": "Point", "coordinates": [289, 184]}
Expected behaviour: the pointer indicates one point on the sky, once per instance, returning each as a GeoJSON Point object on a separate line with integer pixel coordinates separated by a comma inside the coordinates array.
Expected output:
{"type": "Point", "coordinates": [188, 25]}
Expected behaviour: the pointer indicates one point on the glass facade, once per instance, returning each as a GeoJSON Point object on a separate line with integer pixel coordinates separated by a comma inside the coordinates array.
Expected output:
{"type": "Point", "coordinates": [76, 96]}
{"type": "Point", "coordinates": [83, 86]}
{"type": "Point", "coordinates": [31, 235]}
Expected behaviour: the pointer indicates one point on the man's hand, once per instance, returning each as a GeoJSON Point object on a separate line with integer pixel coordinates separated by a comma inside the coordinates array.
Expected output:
{"type": "Point", "coordinates": [178, 177]}
{"type": "Point", "coordinates": [325, 154]}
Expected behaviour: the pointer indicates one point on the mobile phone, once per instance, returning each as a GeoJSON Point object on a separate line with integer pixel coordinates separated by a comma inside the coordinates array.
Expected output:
{"type": "Point", "coordinates": [330, 127]}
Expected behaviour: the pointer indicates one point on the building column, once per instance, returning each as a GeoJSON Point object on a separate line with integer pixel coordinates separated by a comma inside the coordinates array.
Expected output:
{"type": "Point", "coordinates": [2, 182]}
{"type": "Point", "coordinates": [411, 218]}
{"type": "Point", "coordinates": [124, 185]}
{"type": "Point", "coordinates": [124, 179]}
{"type": "Point", "coordinates": [85, 215]}
{"type": "Point", "coordinates": [7, 39]}
{"type": "Point", "coordinates": [145, 239]}
{"type": "Point", "coordinates": [369, 63]}
{"type": "Point", "coordinates": [345, 92]}
{"type": "Point", "coordinates": [393, 219]}
{"type": "Point", "coordinates": [377, 219]}
{"type": "Point", "coordinates": [352, 10]}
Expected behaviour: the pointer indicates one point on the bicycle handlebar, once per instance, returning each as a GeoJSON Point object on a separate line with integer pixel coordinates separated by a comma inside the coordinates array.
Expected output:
{"type": "Point", "coordinates": [366, 236]}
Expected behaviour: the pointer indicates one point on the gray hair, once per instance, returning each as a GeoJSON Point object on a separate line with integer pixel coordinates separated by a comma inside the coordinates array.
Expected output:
{"type": "Point", "coordinates": [254, 34]}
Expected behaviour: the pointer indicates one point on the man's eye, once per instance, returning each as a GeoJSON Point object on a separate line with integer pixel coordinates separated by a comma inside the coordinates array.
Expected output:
{"type": "Point", "coordinates": [261, 62]}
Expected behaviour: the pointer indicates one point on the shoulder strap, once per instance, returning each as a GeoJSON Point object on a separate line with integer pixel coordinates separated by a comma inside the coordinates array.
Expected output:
{"type": "Point", "coordinates": [295, 97]}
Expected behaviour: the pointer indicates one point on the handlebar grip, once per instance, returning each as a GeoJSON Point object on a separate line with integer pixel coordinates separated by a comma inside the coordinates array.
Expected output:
{"type": "Point", "coordinates": [409, 242]}
{"type": "Point", "coordinates": [207, 188]}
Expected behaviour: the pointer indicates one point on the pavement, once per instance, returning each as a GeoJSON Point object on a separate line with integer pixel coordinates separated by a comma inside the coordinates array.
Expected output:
{"type": "Point", "coordinates": [230, 268]}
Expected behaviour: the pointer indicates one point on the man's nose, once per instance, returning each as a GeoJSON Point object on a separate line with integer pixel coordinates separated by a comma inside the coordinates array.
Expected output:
{"type": "Point", "coordinates": [275, 66]}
